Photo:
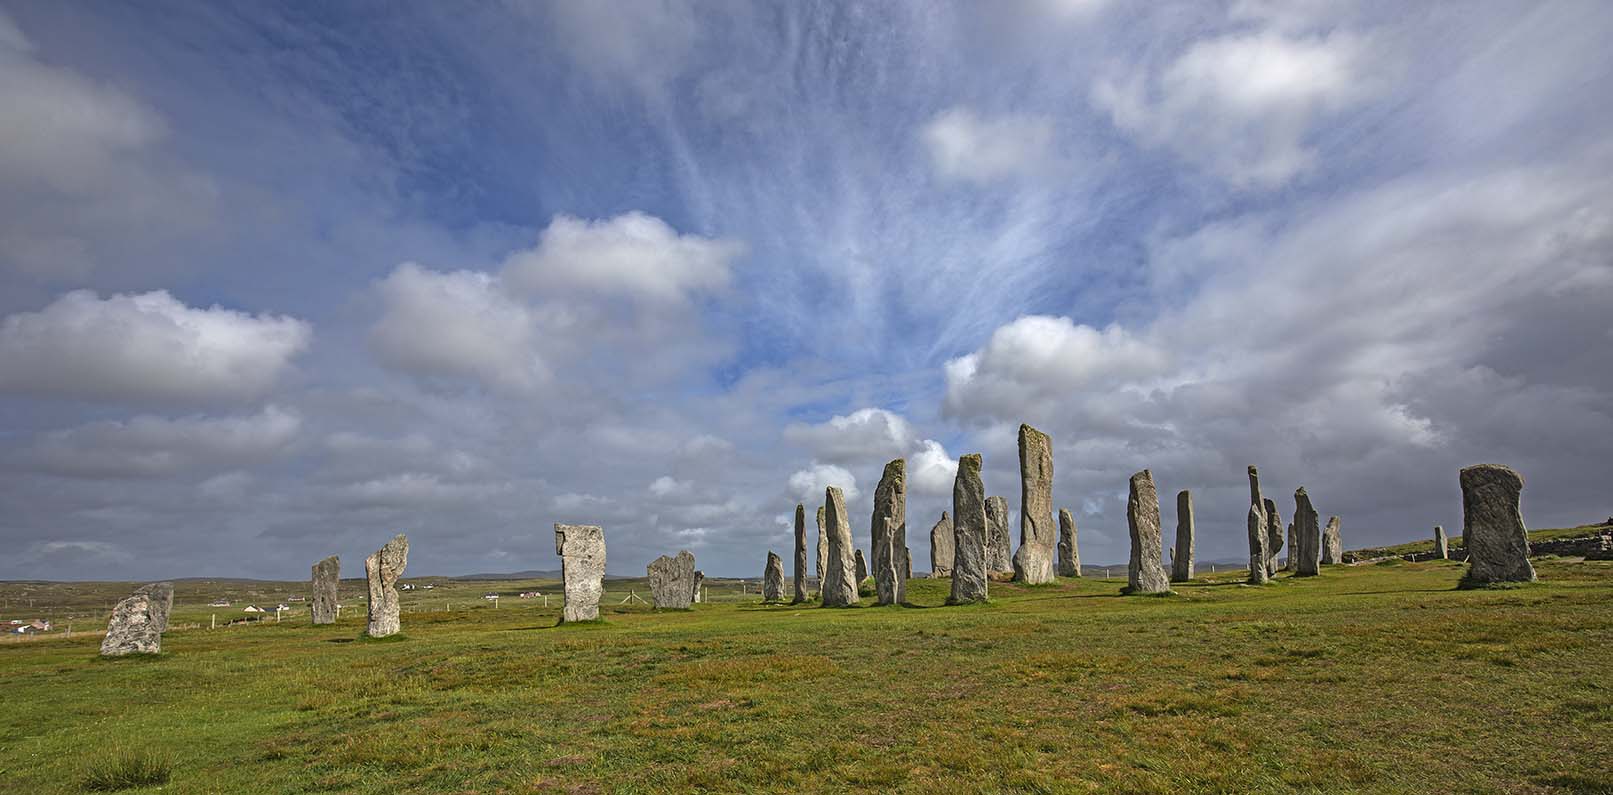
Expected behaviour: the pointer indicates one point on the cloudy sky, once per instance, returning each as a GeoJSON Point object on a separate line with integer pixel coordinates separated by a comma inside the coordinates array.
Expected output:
{"type": "Point", "coordinates": [280, 280]}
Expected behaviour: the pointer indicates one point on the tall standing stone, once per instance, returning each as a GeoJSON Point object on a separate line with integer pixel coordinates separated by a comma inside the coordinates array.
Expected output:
{"type": "Point", "coordinates": [839, 580]}
{"type": "Point", "coordinates": [1332, 543]}
{"type": "Point", "coordinates": [861, 564]}
{"type": "Point", "coordinates": [1145, 575]}
{"type": "Point", "coordinates": [890, 551]}
{"type": "Point", "coordinates": [672, 581]}
{"type": "Point", "coordinates": [773, 579]}
{"type": "Point", "coordinates": [1274, 536]}
{"type": "Point", "coordinates": [1293, 549]}
{"type": "Point", "coordinates": [1033, 563]}
{"type": "Point", "coordinates": [699, 580]}
{"type": "Point", "coordinates": [941, 547]}
{"type": "Point", "coordinates": [581, 548]}
{"type": "Point", "coordinates": [1258, 558]}
{"type": "Point", "coordinates": [1069, 553]}
{"type": "Point", "coordinates": [381, 571]}
{"type": "Point", "coordinates": [1442, 545]}
{"type": "Point", "coordinates": [823, 553]}
{"type": "Point", "coordinates": [1492, 526]}
{"type": "Point", "coordinates": [800, 555]}
{"type": "Point", "coordinates": [1182, 560]}
{"type": "Point", "coordinates": [1307, 536]}
{"type": "Point", "coordinates": [969, 565]}
{"type": "Point", "coordinates": [1254, 488]}
{"type": "Point", "coordinates": [327, 574]}
{"type": "Point", "coordinates": [999, 551]}
{"type": "Point", "coordinates": [137, 623]}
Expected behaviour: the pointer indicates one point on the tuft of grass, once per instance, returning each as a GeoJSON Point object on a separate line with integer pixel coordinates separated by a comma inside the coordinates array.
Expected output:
{"type": "Point", "coordinates": [128, 770]}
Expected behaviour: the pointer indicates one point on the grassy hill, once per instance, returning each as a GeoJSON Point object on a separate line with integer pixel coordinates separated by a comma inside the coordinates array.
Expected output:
{"type": "Point", "coordinates": [1455, 536]}
{"type": "Point", "coordinates": [1376, 678]}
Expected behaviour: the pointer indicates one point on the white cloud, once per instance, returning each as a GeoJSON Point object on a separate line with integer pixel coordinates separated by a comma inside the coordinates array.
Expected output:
{"type": "Point", "coordinates": [458, 324]}
{"type": "Point", "coordinates": [855, 438]}
{"type": "Point", "coordinates": [666, 485]}
{"type": "Point", "coordinates": [931, 470]}
{"type": "Point", "coordinates": [149, 446]}
{"type": "Point", "coordinates": [633, 255]}
{"type": "Point", "coordinates": [1039, 360]}
{"type": "Point", "coordinates": [966, 146]}
{"type": "Point", "coordinates": [643, 46]}
{"type": "Point", "coordinates": [413, 489]}
{"type": "Point", "coordinates": [145, 348]}
{"type": "Point", "coordinates": [808, 485]}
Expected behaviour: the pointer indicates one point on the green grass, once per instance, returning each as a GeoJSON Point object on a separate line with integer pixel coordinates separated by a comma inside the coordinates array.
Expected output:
{"type": "Point", "coordinates": [1371, 679]}
{"type": "Point", "coordinates": [1455, 536]}
{"type": "Point", "coordinates": [127, 770]}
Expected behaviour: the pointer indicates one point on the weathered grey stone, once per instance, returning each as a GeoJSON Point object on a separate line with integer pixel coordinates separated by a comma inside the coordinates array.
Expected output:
{"type": "Point", "coordinates": [1254, 488]}
{"type": "Point", "coordinates": [1442, 545]}
{"type": "Point", "coordinates": [890, 552]}
{"type": "Point", "coordinates": [1069, 553]}
{"type": "Point", "coordinates": [861, 564]}
{"type": "Point", "coordinates": [823, 552]}
{"type": "Point", "coordinates": [327, 575]}
{"type": "Point", "coordinates": [381, 571]}
{"type": "Point", "coordinates": [1492, 526]}
{"type": "Point", "coordinates": [1293, 549]}
{"type": "Point", "coordinates": [1332, 544]}
{"type": "Point", "coordinates": [773, 579]}
{"type": "Point", "coordinates": [999, 551]}
{"type": "Point", "coordinates": [941, 547]}
{"type": "Point", "coordinates": [699, 580]}
{"type": "Point", "coordinates": [1145, 575]}
{"type": "Point", "coordinates": [800, 556]}
{"type": "Point", "coordinates": [581, 548]}
{"type": "Point", "coordinates": [137, 623]}
{"type": "Point", "coordinates": [1274, 535]}
{"type": "Point", "coordinates": [1033, 562]}
{"type": "Point", "coordinates": [1258, 575]}
{"type": "Point", "coordinates": [1307, 536]}
{"type": "Point", "coordinates": [839, 581]}
{"type": "Point", "coordinates": [969, 564]}
{"type": "Point", "coordinates": [1182, 557]}
{"type": "Point", "coordinates": [672, 581]}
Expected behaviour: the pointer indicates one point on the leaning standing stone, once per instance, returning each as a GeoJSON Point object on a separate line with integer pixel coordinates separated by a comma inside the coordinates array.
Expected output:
{"type": "Point", "coordinates": [839, 583]}
{"type": "Point", "coordinates": [1258, 575]}
{"type": "Point", "coordinates": [1307, 536]}
{"type": "Point", "coordinates": [941, 547]}
{"type": "Point", "coordinates": [969, 571]}
{"type": "Point", "coordinates": [890, 553]}
{"type": "Point", "coordinates": [1442, 545]}
{"type": "Point", "coordinates": [999, 555]}
{"type": "Point", "coordinates": [581, 548]}
{"type": "Point", "coordinates": [1182, 561]}
{"type": "Point", "coordinates": [1069, 553]}
{"type": "Point", "coordinates": [773, 579]}
{"type": "Point", "coordinates": [800, 555]}
{"type": "Point", "coordinates": [1145, 575]}
{"type": "Point", "coordinates": [1492, 526]}
{"type": "Point", "coordinates": [1332, 544]}
{"type": "Point", "coordinates": [1274, 536]}
{"type": "Point", "coordinates": [823, 552]}
{"type": "Point", "coordinates": [327, 574]}
{"type": "Point", "coordinates": [382, 570]}
{"type": "Point", "coordinates": [1033, 563]}
{"type": "Point", "coordinates": [138, 621]}
{"type": "Point", "coordinates": [672, 581]}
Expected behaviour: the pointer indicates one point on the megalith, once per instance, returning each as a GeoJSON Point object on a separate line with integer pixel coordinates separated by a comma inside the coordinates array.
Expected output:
{"type": "Point", "coordinates": [1307, 536]}
{"type": "Point", "coordinates": [1492, 526]}
{"type": "Point", "coordinates": [970, 573]}
{"type": "Point", "coordinates": [773, 579]}
{"type": "Point", "coordinates": [1442, 545]}
{"type": "Point", "coordinates": [1145, 574]}
{"type": "Point", "coordinates": [1274, 535]}
{"type": "Point", "coordinates": [137, 622]}
{"type": "Point", "coordinates": [672, 581]}
{"type": "Point", "coordinates": [800, 556]}
{"type": "Point", "coordinates": [890, 549]}
{"type": "Point", "coordinates": [999, 551]}
{"type": "Point", "coordinates": [1332, 543]}
{"type": "Point", "coordinates": [1293, 549]}
{"type": "Point", "coordinates": [699, 580]}
{"type": "Point", "coordinates": [1069, 553]}
{"type": "Point", "coordinates": [381, 571]}
{"type": "Point", "coordinates": [1182, 560]}
{"type": "Point", "coordinates": [861, 565]}
{"type": "Point", "coordinates": [1258, 558]}
{"type": "Point", "coordinates": [823, 552]}
{"type": "Point", "coordinates": [1254, 488]}
{"type": "Point", "coordinates": [941, 547]}
{"type": "Point", "coordinates": [327, 575]}
{"type": "Point", "coordinates": [581, 548]}
{"type": "Point", "coordinates": [1038, 536]}
{"type": "Point", "coordinates": [839, 580]}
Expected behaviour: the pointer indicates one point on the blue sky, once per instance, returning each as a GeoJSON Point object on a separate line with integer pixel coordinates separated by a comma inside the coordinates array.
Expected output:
{"type": "Point", "coordinates": [277, 281]}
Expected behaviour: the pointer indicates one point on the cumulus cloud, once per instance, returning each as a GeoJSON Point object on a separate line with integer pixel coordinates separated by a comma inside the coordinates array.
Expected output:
{"type": "Point", "coordinates": [633, 255]}
{"type": "Point", "coordinates": [966, 146]}
{"type": "Point", "coordinates": [861, 436]}
{"type": "Point", "coordinates": [808, 485]}
{"type": "Point", "coordinates": [1037, 360]}
{"type": "Point", "coordinates": [458, 324]}
{"type": "Point", "coordinates": [931, 471]}
{"type": "Point", "coordinates": [148, 447]}
{"type": "Point", "coordinates": [666, 486]}
{"type": "Point", "coordinates": [145, 348]}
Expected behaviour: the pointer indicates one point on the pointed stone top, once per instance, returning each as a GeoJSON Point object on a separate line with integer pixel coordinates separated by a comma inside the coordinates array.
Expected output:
{"type": "Point", "coordinates": [1254, 470]}
{"type": "Point", "coordinates": [896, 468]}
{"type": "Point", "coordinates": [1300, 492]}
{"type": "Point", "coordinates": [943, 515]}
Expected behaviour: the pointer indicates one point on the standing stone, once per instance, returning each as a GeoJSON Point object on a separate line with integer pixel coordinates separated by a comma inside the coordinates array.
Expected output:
{"type": "Point", "coordinates": [1145, 575]}
{"type": "Point", "coordinates": [941, 547]}
{"type": "Point", "coordinates": [861, 566]}
{"type": "Point", "coordinates": [1307, 536]}
{"type": "Point", "coordinates": [969, 564]}
{"type": "Point", "coordinates": [1258, 557]}
{"type": "Point", "coordinates": [382, 570]}
{"type": "Point", "coordinates": [823, 552]}
{"type": "Point", "coordinates": [1492, 526]}
{"type": "Point", "coordinates": [890, 552]}
{"type": "Point", "coordinates": [1293, 549]}
{"type": "Point", "coordinates": [1332, 544]}
{"type": "Point", "coordinates": [1442, 545]}
{"type": "Point", "coordinates": [1182, 557]}
{"type": "Point", "coordinates": [1033, 563]}
{"type": "Point", "coordinates": [999, 554]}
{"type": "Point", "coordinates": [327, 575]}
{"type": "Point", "coordinates": [1274, 536]}
{"type": "Point", "coordinates": [138, 621]}
{"type": "Point", "coordinates": [773, 579]}
{"type": "Point", "coordinates": [1069, 553]}
{"type": "Point", "coordinates": [581, 548]}
{"type": "Point", "coordinates": [1254, 488]}
{"type": "Point", "coordinates": [800, 556]}
{"type": "Point", "coordinates": [839, 583]}
{"type": "Point", "coordinates": [672, 581]}
{"type": "Point", "coordinates": [699, 580]}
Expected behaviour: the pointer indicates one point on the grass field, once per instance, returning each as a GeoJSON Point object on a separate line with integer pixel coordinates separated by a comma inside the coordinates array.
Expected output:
{"type": "Point", "coordinates": [1373, 678]}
